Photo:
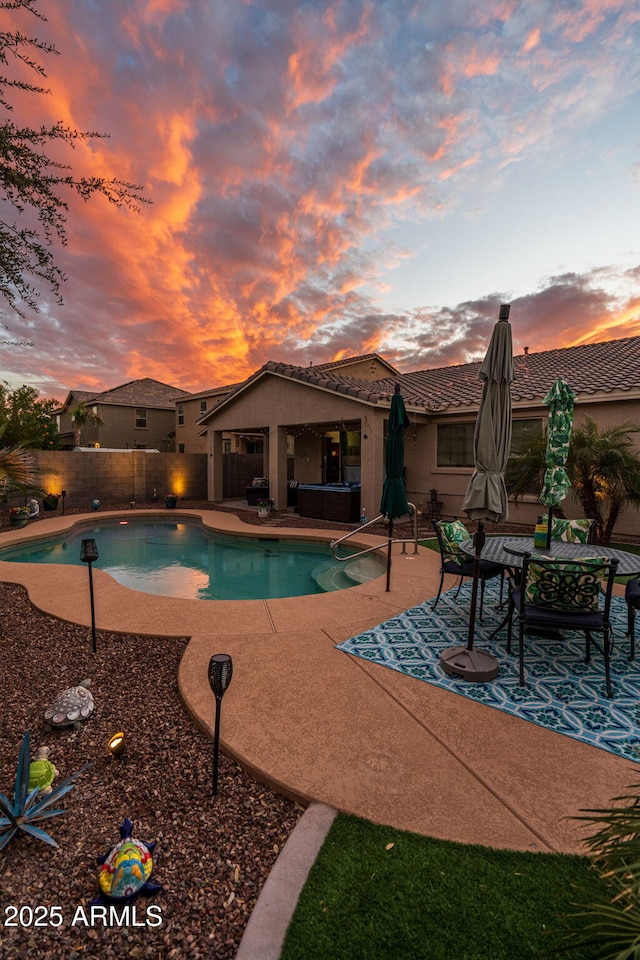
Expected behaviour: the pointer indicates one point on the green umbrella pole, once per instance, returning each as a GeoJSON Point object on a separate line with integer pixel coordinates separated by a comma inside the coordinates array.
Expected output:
{"type": "Point", "coordinates": [389, 555]}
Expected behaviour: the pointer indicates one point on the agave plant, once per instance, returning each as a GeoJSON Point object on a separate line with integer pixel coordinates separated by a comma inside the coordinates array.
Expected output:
{"type": "Point", "coordinates": [26, 809]}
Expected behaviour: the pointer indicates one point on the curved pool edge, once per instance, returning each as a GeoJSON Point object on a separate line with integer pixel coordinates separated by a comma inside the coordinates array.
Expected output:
{"type": "Point", "coordinates": [62, 591]}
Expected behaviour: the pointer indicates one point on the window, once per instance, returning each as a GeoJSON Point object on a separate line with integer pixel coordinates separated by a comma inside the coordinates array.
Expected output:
{"type": "Point", "coordinates": [181, 414]}
{"type": "Point", "coordinates": [203, 406]}
{"type": "Point", "coordinates": [455, 444]}
{"type": "Point", "coordinates": [141, 417]}
{"type": "Point", "coordinates": [226, 446]}
{"type": "Point", "coordinates": [455, 440]}
{"type": "Point", "coordinates": [181, 448]}
{"type": "Point", "coordinates": [525, 430]}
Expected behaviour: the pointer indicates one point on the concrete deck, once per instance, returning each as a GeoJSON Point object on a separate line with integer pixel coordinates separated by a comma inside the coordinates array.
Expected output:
{"type": "Point", "coordinates": [318, 724]}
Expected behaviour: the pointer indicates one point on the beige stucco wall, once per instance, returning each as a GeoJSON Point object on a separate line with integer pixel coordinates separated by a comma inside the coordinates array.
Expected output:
{"type": "Point", "coordinates": [119, 430]}
{"type": "Point", "coordinates": [451, 482]}
{"type": "Point", "coordinates": [188, 433]}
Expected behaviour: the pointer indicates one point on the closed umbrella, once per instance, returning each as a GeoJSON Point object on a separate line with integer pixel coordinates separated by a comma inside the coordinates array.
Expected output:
{"type": "Point", "coordinates": [394, 501]}
{"type": "Point", "coordinates": [486, 496]}
{"type": "Point", "coordinates": [556, 483]}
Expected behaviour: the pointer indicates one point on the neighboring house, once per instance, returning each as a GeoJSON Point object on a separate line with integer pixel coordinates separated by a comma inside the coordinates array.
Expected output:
{"type": "Point", "coordinates": [139, 414]}
{"type": "Point", "coordinates": [323, 424]}
{"type": "Point", "coordinates": [190, 436]}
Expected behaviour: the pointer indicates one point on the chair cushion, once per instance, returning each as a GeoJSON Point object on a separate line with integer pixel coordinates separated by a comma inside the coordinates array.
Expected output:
{"type": "Point", "coordinates": [453, 533]}
{"type": "Point", "coordinates": [488, 569]}
{"type": "Point", "coordinates": [573, 587]}
{"type": "Point", "coordinates": [632, 594]}
{"type": "Point", "coordinates": [572, 531]}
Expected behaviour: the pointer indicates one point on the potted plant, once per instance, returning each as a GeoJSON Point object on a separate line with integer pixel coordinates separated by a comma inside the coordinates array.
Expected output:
{"type": "Point", "coordinates": [170, 501]}
{"type": "Point", "coordinates": [50, 501]}
{"type": "Point", "coordinates": [19, 516]}
{"type": "Point", "coordinates": [265, 506]}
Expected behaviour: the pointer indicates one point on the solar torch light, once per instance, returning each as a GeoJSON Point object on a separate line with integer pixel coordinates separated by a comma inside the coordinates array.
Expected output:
{"type": "Point", "coordinates": [63, 495]}
{"type": "Point", "coordinates": [88, 555]}
{"type": "Point", "coordinates": [220, 673]}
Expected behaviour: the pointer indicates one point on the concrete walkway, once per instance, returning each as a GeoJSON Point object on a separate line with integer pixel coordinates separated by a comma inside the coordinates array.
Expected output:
{"type": "Point", "coordinates": [318, 724]}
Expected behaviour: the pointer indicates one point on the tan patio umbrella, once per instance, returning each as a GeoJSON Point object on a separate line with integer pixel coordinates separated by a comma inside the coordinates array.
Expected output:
{"type": "Point", "coordinates": [486, 496]}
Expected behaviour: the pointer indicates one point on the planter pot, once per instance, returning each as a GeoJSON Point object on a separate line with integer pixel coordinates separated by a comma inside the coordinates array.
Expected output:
{"type": "Point", "coordinates": [18, 521]}
{"type": "Point", "coordinates": [170, 502]}
{"type": "Point", "coordinates": [50, 503]}
{"type": "Point", "coordinates": [263, 512]}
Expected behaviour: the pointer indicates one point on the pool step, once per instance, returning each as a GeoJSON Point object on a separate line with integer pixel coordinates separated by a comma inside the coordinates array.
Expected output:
{"type": "Point", "coordinates": [328, 576]}
{"type": "Point", "coordinates": [363, 569]}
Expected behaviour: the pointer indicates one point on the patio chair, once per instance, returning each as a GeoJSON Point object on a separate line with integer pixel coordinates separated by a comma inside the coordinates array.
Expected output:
{"type": "Point", "coordinates": [571, 531]}
{"type": "Point", "coordinates": [632, 598]}
{"type": "Point", "coordinates": [564, 595]}
{"type": "Point", "coordinates": [450, 535]}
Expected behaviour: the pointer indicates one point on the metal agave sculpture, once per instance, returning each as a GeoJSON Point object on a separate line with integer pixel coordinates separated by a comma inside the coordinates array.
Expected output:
{"type": "Point", "coordinates": [26, 809]}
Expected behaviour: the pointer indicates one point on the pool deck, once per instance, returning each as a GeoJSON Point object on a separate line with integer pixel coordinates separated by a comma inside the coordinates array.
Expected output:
{"type": "Point", "coordinates": [318, 724]}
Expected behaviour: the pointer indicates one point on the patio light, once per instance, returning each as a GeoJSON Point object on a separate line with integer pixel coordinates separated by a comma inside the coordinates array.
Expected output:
{"type": "Point", "coordinates": [88, 555]}
{"type": "Point", "coordinates": [116, 744]}
{"type": "Point", "coordinates": [63, 495]}
{"type": "Point", "coordinates": [220, 673]}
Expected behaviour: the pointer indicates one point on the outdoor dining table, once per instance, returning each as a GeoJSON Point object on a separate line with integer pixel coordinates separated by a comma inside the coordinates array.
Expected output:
{"type": "Point", "coordinates": [510, 552]}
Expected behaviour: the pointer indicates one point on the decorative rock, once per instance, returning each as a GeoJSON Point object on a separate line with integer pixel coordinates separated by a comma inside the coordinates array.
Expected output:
{"type": "Point", "coordinates": [72, 706]}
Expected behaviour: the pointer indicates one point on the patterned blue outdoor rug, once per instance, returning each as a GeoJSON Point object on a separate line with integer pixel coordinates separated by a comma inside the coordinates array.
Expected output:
{"type": "Point", "coordinates": [562, 692]}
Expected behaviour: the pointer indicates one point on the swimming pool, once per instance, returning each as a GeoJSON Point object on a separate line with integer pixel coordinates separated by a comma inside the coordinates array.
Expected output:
{"type": "Point", "coordinates": [186, 560]}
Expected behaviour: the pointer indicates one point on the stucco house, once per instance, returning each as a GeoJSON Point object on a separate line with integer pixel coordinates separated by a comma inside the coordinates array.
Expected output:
{"type": "Point", "coordinates": [326, 424]}
{"type": "Point", "coordinates": [139, 414]}
{"type": "Point", "coordinates": [191, 422]}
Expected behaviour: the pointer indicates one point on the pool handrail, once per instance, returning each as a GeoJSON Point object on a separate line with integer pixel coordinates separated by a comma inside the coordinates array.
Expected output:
{"type": "Point", "coordinates": [385, 543]}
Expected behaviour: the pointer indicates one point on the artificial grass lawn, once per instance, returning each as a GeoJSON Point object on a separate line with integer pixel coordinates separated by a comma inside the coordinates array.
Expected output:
{"type": "Point", "coordinates": [426, 899]}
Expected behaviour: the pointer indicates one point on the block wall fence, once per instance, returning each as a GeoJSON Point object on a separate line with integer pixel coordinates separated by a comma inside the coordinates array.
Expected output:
{"type": "Point", "coordinates": [120, 476]}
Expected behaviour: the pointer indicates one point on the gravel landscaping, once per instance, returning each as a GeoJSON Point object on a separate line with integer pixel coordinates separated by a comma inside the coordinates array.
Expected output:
{"type": "Point", "coordinates": [213, 854]}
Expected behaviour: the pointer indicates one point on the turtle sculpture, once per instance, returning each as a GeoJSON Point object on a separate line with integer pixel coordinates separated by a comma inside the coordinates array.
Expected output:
{"type": "Point", "coordinates": [42, 772]}
{"type": "Point", "coordinates": [126, 868]}
{"type": "Point", "coordinates": [72, 706]}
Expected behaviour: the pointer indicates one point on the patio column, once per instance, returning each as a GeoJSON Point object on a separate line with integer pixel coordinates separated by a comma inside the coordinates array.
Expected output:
{"type": "Point", "coordinates": [214, 479]}
{"type": "Point", "coordinates": [278, 466]}
{"type": "Point", "coordinates": [372, 465]}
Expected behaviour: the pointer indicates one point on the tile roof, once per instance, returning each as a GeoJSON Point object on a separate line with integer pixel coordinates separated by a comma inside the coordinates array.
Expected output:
{"type": "Point", "coordinates": [590, 369]}
{"type": "Point", "coordinates": [347, 361]}
{"type": "Point", "coordinates": [145, 392]}
{"type": "Point", "coordinates": [216, 391]}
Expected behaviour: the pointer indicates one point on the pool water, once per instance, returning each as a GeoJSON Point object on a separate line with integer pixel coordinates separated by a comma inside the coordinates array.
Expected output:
{"type": "Point", "coordinates": [185, 560]}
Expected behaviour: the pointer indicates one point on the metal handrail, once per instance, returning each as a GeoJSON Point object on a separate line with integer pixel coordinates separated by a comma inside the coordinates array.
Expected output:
{"type": "Point", "coordinates": [336, 543]}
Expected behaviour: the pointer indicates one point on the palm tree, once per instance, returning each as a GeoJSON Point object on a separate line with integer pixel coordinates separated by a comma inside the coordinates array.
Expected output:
{"type": "Point", "coordinates": [603, 466]}
{"type": "Point", "coordinates": [526, 469]}
{"type": "Point", "coordinates": [81, 415]}
{"type": "Point", "coordinates": [17, 466]}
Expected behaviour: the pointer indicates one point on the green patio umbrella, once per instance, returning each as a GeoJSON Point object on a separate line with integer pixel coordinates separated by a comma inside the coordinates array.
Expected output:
{"type": "Point", "coordinates": [556, 483]}
{"type": "Point", "coordinates": [486, 496]}
{"type": "Point", "coordinates": [394, 501]}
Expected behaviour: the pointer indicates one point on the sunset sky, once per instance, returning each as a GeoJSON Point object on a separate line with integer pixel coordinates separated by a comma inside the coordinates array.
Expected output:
{"type": "Point", "coordinates": [335, 178]}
